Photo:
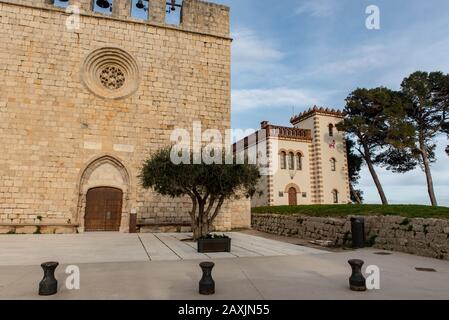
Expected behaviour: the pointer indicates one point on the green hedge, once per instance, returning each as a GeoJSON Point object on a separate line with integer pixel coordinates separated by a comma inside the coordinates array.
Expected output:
{"type": "Point", "coordinates": [410, 211]}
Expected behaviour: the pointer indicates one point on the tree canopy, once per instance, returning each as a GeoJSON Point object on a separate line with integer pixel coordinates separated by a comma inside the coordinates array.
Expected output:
{"type": "Point", "coordinates": [208, 185]}
{"type": "Point", "coordinates": [427, 107]}
{"type": "Point", "coordinates": [366, 123]}
{"type": "Point", "coordinates": [397, 129]}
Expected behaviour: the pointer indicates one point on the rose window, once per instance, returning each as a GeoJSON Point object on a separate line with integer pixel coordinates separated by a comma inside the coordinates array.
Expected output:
{"type": "Point", "coordinates": [112, 78]}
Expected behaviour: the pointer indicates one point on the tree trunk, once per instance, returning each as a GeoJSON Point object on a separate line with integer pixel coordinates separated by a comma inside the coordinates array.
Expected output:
{"type": "Point", "coordinates": [354, 193]}
{"type": "Point", "coordinates": [201, 223]}
{"type": "Point", "coordinates": [200, 230]}
{"type": "Point", "coordinates": [369, 163]}
{"type": "Point", "coordinates": [429, 179]}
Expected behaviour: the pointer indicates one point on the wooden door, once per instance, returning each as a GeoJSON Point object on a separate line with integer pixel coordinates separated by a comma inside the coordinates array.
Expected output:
{"type": "Point", "coordinates": [292, 197]}
{"type": "Point", "coordinates": [103, 209]}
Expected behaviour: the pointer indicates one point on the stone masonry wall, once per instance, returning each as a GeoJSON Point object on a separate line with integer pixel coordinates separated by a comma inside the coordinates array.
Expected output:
{"type": "Point", "coordinates": [52, 126]}
{"type": "Point", "coordinates": [425, 237]}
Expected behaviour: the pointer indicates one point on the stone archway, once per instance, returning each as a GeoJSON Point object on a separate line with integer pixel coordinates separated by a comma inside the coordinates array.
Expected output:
{"type": "Point", "coordinates": [104, 172]}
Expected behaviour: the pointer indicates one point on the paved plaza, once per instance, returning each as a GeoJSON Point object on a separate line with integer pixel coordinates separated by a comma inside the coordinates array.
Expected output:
{"type": "Point", "coordinates": [161, 266]}
{"type": "Point", "coordinates": [121, 247]}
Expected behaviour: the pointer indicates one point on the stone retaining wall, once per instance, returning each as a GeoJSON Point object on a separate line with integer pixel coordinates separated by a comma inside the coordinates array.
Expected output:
{"type": "Point", "coordinates": [425, 237]}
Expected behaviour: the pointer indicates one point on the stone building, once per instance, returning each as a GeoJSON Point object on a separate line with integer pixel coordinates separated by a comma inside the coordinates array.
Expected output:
{"type": "Point", "coordinates": [86, 98]}
{"type": "Point", "coordinates": [307, 163]}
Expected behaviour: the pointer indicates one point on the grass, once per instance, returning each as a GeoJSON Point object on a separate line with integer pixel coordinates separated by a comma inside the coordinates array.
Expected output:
{"type": "Point", "coordinates": [409, 211]}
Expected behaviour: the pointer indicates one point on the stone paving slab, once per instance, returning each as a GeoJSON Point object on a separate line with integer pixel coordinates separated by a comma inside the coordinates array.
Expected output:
{"type": "Point", "coordinates": [183, 250]}
{"type": "Point", "coordinates": [244, 245]}
{"type": "Point", "coordinates": [156, 249]}
{"type": "Point", "coordinates": [119, 247]}
{"type": "Point", "coordinates": [70, 248]}
{"type": "Point", "coordinates": [267, 244]}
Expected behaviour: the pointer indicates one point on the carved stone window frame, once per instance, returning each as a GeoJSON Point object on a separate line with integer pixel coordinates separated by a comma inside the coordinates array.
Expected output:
{"type": "Point", "coordinates": [110, 57]}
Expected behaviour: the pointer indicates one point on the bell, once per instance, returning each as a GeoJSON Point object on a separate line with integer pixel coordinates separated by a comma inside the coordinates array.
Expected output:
{"type": "Point", "coordinates": [103, 4]}
{"type": "Point", "coordinates": [140, 4]}
{"type": "Point", "coordinates": [173, 5]}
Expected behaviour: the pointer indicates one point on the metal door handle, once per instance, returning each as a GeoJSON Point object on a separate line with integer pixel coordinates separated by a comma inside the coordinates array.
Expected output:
{"type": "Point", "coordinates": [108, 216]}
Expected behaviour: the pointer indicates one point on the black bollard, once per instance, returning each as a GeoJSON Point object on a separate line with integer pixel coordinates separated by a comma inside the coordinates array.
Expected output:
{"type": "Point", "coordinates": [357, 281]}
{"type": "Point", "coordinates": [358, 232]}
{"type": "Point", "coordinates": [49, 284]}
{"type": "Point", "coordinates": [207, 284]}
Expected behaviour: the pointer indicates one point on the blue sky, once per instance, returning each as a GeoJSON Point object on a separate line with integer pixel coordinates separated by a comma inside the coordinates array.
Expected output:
{"type": "Point", "coordinates": [291, 54]}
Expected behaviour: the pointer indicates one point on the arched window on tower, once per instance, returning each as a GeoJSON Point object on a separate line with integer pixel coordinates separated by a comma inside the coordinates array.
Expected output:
{"type": "Point", "coordinates": [283, 160]}
{"type": "Point", "coordinates": [140, 9]}
{"type": "Point", "coordinates": [335, 196]}
{"type": "Point", "coordinates": [333, 164]}
{"type": "Point", "coordinates": [62, 4]}
{"type": "Point", "coordinates": [291, 161]}
{"type": "Point", "coordinates": [331, 130]}
{"type": "Point", "coordinates": [103, 6]}
{"type": "Point", "coordinates": [173, 12]}
{"type": "Point", "coordinates": [299, 161]}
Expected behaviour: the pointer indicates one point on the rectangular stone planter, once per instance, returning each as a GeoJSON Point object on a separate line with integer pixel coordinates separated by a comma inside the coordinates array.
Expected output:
{"type": "Point", "coordinates": [214, 245]}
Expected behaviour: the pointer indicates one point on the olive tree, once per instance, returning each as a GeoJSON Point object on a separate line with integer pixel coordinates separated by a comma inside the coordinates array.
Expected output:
{"type": "Point", "coordinates": [207, 185]}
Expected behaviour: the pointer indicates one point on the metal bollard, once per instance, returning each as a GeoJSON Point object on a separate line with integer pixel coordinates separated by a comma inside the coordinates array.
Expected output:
{"type": "Point", "coordinates": [358, 232]}
{"type": "Point", "coordinates": [49, 284]}
{"type": "Point", "coordinates": [207, 284]}
{"type": "Point", "coordinates": [357, 281]}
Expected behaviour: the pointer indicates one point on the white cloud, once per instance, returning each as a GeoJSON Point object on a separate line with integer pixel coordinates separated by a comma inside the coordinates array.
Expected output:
{"type": "Point", "coordinates": [250, 99]}
{"type": "Point", "coordinates": [363, 58]}
{"type": "Point", "coordinates": [316, 8]}
{"type": "Point", "coordinates": [388, 59]}
{"type": "Point", "coordinates": [247, 47]}
{"type": "Point", "coordinates": [253, 57]}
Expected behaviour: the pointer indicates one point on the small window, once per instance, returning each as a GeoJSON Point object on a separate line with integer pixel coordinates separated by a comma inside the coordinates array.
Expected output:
{"type": "Point", "coordinates": [61, 3]}
{"type": "Point", "coordinates": [103, 6]}
{"type": "Point", "coordinates": [335, 196]}
{"type": "Point", "coordinates": [333, 164]}
{"type": "Point", "coordinates": [291, 161]}
{"type": "Point", "coordinates": [140, 9]}
{"type": "Point", "coordinates": [283, 160]}
{"type": "Point", "coordinates": [331, 130]}
{"type": "Point", "coordinates": [281, 194]}
{"type": "Point", "coordinates": [299, 162]}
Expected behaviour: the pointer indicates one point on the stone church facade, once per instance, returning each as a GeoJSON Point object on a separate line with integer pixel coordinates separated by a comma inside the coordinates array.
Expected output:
{"type": "Point", "coordinates": [81, 109]}
{"type": "Point", "coordinates": [308, 161]}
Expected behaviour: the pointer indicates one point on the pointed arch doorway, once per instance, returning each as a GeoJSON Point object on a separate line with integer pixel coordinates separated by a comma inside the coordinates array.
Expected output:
{"type": "Point", "coordinates": [103, 201]}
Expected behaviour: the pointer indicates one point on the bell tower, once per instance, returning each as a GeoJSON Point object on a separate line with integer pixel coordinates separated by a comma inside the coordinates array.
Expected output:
{"type": "Point", "coordinates": [329, 166]}
{"type": "Point", "coordinates": [109, 91]}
